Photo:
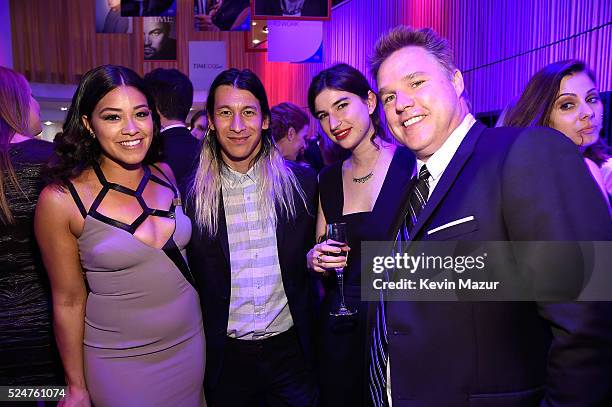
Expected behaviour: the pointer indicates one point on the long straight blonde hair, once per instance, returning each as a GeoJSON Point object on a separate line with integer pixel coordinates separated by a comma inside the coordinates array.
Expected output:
{"type": "Point", "coordinates": [14, 118]}
{"type": "Point", "coordinates": [277, 183]}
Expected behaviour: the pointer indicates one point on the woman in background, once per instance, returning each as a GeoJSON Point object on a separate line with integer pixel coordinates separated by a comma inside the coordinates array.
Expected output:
{"type": "Point", "coordinates": [363, 191]}
{"type": "Point", "coordinates": [27, 349]}
{"type": "Point", "coordinates": [564, 95]}
{"type": "Point", "coordinates": [135, 337]}
{"type": "Point", "coordinates": [199, 124]}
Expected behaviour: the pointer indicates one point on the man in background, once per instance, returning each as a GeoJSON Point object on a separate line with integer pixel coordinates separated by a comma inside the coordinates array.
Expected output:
{"type": "Point", "coordinates": [289, 129]}
{"type": "Point", "coordinates": [173, 94]}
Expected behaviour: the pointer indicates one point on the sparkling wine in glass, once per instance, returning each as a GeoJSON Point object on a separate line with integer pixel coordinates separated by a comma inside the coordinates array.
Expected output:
{"type": "Point", "coordinates": [337, 233]}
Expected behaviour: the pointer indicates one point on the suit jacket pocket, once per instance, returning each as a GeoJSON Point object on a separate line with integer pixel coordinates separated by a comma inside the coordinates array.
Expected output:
{"type": "Point", "coordinates": [524, 398]}
{"type": "Point", "coordinates": [449, 232]}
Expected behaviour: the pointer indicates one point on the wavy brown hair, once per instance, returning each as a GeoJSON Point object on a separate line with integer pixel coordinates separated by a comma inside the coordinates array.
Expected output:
{"type": "Point", "coordinates": [536, 103]}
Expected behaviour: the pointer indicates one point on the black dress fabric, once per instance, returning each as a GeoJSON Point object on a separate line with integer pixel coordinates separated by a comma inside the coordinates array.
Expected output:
{"type": "Point", "coordinates": [27, 349]}
{"type": "Point", "coordinates": [342, 346]}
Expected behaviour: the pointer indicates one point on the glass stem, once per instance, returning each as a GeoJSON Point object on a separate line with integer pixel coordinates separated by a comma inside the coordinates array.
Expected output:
{"type": "Point", "coordinates": [340, 277]}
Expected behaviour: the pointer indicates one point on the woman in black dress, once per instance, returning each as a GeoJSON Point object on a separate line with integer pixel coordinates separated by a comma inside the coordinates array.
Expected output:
{"type": "Point", "coordinates": [27, 349]}
{"type": "Point", "coordinates": [364, 191]}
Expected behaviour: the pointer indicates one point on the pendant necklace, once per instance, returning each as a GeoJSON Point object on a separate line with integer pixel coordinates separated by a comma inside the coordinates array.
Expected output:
{"type": "Point", "coordinates": [367, 177]}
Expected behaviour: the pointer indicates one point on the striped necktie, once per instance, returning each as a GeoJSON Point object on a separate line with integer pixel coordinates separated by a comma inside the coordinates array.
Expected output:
{"type": "Point", "coordinates": [379, 354]}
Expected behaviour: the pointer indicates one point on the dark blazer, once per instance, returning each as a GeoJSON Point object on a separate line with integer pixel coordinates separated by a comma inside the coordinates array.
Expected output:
{"type": "Point", "coordinates": [520, 185]}
{"type": "Point", "coordinates": [181, 152]}
{"type": "Point", "coordinates": [209, 261]}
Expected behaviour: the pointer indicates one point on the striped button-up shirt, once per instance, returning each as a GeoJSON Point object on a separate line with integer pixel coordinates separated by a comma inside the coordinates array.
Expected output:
{"type": "Point", "coordinates": [258, 303]}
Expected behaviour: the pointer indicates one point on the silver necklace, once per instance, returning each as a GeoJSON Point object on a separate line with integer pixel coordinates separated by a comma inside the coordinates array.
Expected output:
{"type": "Point", "coordinates": [368, 176]}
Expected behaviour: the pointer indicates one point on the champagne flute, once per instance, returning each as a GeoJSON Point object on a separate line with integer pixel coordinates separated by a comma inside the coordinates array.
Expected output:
{"type": "Point", "coordinates": [337, 233]}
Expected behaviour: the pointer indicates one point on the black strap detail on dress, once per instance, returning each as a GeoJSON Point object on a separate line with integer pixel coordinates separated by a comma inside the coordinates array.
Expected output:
{"type": "Point", "coordinates": [77, 199]}
{"type": "Point", "coordinates": [159, 181]}
{"type": "Point", "coordinates": [137, 194]}
{"type": "Point", "coordinates": [174, 254]}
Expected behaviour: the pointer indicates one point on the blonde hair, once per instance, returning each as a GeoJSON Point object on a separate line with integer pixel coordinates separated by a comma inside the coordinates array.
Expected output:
{"type": "Point", "coordinates": [14, 118]}
{"type": "Point", "coordinates": [274, 189]}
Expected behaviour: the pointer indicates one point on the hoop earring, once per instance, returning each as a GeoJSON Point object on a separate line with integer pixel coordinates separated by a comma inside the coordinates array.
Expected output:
{"type": "Point", "coordinates": [581, 140]}
{"type": "Point", "coordinates": [92, 134]}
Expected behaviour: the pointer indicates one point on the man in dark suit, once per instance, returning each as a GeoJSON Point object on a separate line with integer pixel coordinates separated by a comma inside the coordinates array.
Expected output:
{"type": "Point", "coordinates": [173, 94]}
{"type": "Point", "coordinates": [479, 184]}
{"type": "Point", "coordinates": [253, 221]}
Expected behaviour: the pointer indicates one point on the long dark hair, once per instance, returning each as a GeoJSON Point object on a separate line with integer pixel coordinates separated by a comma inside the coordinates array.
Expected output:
{"type": "Point", "coordinates": [75, 149]}
{"type": "Point", "coordinates": [246, 80]}
{"type": "Point", "coordinates": [535, 105]}
{"type": "Point", "coordinates": [345, 78]}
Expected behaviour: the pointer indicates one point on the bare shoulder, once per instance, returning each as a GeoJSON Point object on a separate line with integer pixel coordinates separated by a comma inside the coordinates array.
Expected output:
{"type": "Point", "coordinates": [54, 197]}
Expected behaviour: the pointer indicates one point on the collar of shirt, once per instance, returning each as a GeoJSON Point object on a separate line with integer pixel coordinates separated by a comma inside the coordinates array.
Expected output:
{"type": "Point", "coordinates": [232, 178]}
{"type": "Point", "coordinates": [171, 127]}
{"type": "Point", "coordinates": [437, 163]}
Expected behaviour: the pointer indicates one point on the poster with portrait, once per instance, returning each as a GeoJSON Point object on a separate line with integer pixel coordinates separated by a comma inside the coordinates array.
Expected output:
{"type": "Point", "coordinates": [109, 19]}
{"type": "Point", "coordinates": [222, 15]}
{"type": "Point", "coordinates": [159, 38]}
{"type": "Point", "coordinates": [292, 9]}
{"type": "Point", "coordinates": [148, 8]}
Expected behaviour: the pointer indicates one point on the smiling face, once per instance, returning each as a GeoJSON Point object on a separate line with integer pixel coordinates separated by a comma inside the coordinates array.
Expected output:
{"type": "Point", "coordinates": [345, 117]}
{"type": "Point", "coordinates": [123, 125]}
{"type": "Point", "coordinates": [422, 100]}
{"type": "Point", "coordinates": [155, 34]}
{"type": "Point", "coordinates": [578, 111]}
{"type": "Point", "coordinates": [238, 121]}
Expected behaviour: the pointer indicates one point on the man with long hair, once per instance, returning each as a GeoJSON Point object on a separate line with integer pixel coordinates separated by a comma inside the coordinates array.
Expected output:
{"type": "Point", "coordinates": [253, 217]}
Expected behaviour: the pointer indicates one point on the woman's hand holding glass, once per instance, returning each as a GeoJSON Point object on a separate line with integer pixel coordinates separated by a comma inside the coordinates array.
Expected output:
{"type": "Point", "coordinates": [327, 255]}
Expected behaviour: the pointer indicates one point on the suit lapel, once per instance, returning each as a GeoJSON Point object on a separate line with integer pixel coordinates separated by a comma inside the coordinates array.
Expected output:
{"type": "Point", "coordinates": [281, 223]}
{"type": "Point", "coordinates": [451, 172]}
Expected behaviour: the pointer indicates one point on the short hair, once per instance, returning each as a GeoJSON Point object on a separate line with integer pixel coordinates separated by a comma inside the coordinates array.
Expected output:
{"type": "Point", "coordinates": [284, 116]}
{"type": "Point", "coordinates": [345, 78]}
{"type": "Point", "coordinates": [196, 116]}
{"type": "Point", "coordinates": [403, 36]}
{"type": "Point", "coordinates": [172, 91]}
{"type": "Point", "coordinates": [536, 103]}
{"type": "Point", "coordinates": [75, 149]}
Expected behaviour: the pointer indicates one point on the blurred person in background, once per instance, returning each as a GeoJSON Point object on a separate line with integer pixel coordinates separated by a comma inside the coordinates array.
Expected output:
{"type": "Point", "coordinates": [27, 348]}
{"type": "Point", "coordinates": [289, 128]}
{"type": "Point", "coordinates": [199, 124]}
{"type": "Point", "coordinates": [173, 94]}
{"type": "Point", "coordinates": [564, 95]}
